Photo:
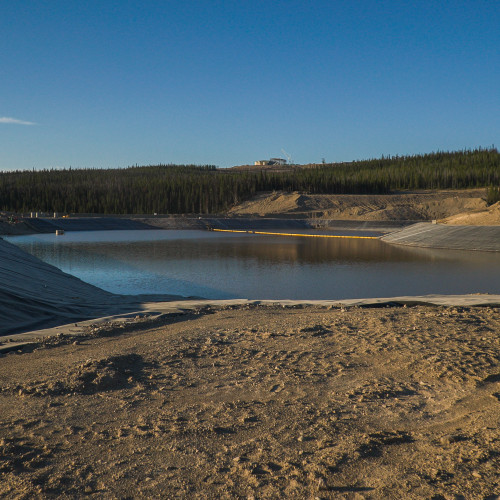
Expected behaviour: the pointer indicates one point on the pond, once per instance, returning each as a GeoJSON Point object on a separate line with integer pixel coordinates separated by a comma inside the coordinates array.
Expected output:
{"type": "Point", "coordinates": [233, 265]}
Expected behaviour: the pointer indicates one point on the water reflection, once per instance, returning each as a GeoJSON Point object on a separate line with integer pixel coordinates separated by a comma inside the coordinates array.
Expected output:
{"type": "Point", "coordinates": [305, 250]}
{"type": "Point", "coordinates": [223, 265]}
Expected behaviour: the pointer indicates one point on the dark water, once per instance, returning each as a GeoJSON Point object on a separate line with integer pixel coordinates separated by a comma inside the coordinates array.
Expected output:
{"type": "Point", "coordinates": [227, 265]}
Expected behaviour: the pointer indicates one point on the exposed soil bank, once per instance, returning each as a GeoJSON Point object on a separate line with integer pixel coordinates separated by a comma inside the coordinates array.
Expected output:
{"type": "Point", "coordinates": [414, 206]}
{"type": "Point", "coordinates": [480, 217]}
{"type": "Point", "coordinates": [259, 402]}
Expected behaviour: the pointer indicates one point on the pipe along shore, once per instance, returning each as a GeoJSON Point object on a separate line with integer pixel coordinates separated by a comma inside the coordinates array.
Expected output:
{"type": "Point", "coordinates": [295, 234]}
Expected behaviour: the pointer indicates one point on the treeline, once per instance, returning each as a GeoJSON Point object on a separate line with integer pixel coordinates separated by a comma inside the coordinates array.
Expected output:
{"type": "Point", "coordinates": [177, 189]}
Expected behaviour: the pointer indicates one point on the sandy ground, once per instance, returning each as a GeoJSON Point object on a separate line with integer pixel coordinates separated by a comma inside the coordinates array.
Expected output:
{"type": "Point", "coordinates": [416, 206]}
{"type": "Point", "coordinates": [259, 402]}
{"type": "Point", "coordinates": [480, 217]}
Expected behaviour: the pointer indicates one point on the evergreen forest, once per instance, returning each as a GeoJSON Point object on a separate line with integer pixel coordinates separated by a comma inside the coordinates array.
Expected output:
{"type": "Point", "coordinates": [191, 189]}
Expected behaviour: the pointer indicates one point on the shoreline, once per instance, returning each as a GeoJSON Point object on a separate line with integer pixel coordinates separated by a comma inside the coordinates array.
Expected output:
{"type": "Point", "coordinates": [35, 295]}
{"type": "Point", "coordinates": [147, 314]}
{"type": "Point", "coordinates": [114, 223]}
{"type": "Point", "coordinates": [398, 232]}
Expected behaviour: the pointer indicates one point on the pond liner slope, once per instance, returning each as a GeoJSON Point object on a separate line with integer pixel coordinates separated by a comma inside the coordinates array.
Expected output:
{"type": "Point", "coordinates": [34, 295]}
{"type": "Point", "coordinates": [427, 235]}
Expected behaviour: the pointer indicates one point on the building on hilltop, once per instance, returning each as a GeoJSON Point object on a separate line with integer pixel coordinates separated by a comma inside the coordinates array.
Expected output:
{"type": "Point", "coordinates": [271, 161]}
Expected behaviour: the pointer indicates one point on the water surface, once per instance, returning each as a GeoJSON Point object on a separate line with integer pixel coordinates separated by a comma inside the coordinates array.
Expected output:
{"type": "Point", "coordinates": [233, 265]}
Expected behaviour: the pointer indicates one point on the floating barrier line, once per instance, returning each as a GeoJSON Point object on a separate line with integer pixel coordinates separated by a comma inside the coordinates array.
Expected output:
{"type": "Point", "coordinates": [296, 234]}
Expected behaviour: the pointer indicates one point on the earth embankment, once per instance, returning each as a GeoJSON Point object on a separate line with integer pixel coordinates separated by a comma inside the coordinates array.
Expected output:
{"type": "Point", "coordinates": [410, 206]}
{"type": "Point", "coordinates": [489, 216]}
{"type": "Point", "coordinates": [29, 225]}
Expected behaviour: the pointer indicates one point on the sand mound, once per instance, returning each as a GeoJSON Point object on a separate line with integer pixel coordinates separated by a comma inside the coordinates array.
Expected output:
{"type": "Point", "coordinates": [266, 203]}
{"type": "Point", "coordinates": [488, 217]}
{"type": "Point", "coordinates": [426, 205]}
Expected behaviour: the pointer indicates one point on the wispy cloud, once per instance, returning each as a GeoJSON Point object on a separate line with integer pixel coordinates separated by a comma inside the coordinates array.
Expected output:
{"type": "Point", "coordinates": [14, 121]}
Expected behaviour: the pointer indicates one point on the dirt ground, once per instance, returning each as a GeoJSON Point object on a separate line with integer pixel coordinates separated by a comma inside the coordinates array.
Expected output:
{"type": "Point", "coordinates": [455, 207]}
{"type": "Point", "coordinates": [488, 217]}
{"type": "Point", "coordinates": [259, 402]}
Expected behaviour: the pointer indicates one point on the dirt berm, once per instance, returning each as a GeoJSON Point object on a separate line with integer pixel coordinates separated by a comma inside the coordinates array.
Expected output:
{"type": "Point", "coordinates": [414, 206]}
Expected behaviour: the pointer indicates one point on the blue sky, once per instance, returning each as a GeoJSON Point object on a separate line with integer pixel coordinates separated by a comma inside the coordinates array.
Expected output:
{"type": "Point", "coordinates": [106, 83]}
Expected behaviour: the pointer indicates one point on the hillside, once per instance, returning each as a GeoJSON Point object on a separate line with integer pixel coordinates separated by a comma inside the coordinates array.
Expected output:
{"type": "Point", "coordinates": [452, 206]}
{"type": "Point", "coordinates": [191, 189]}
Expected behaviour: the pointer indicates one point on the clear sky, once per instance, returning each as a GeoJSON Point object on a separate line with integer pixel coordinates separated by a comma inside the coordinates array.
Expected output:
{"type": "Point", "coordinates": [112, 83]}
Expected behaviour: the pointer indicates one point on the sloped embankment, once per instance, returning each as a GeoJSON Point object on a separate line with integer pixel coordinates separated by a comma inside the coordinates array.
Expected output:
{"type": "Point", "coordinates": [414, 206]}
{"type": "Point", "coordinates": [36, 295]}
{"type": "Point", "coordinates": [487, 217]}
{"type": "Point", "coordinates": [485, 238]}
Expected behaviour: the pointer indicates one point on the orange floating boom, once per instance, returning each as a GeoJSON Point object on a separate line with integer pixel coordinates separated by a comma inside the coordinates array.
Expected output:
{"type": "Point", "coordinates": [297, 234]}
